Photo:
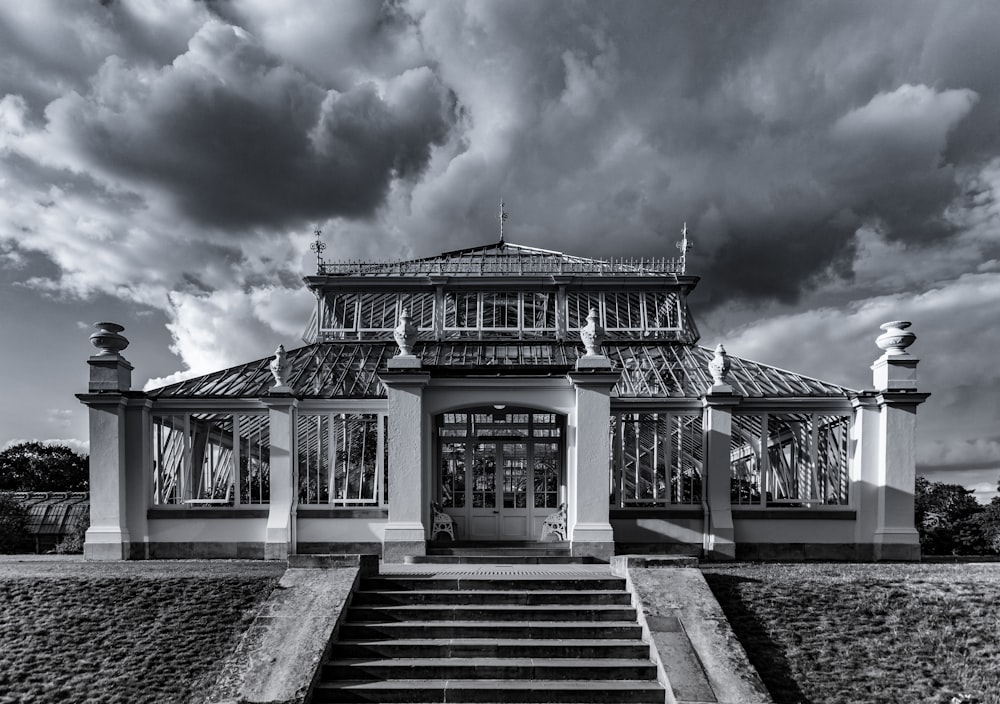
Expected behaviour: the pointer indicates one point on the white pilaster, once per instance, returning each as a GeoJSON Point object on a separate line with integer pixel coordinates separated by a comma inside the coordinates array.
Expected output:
{"type": "Point", "coordinates": [589, 480]}
{"type": "Point", "coordinates": [109, 388]}
{"type": "Point", "coordinates": [107, 537]}
{"type": "Point", "coordinates": [865, 482]}
{"type": "Point", "coordinates": [279, 540]}
{"type": "Point", "coordinates": [405, 533]}
{"type": "Point", "coordinates": [720, 541]}
{"type": "Point", "coordinates": [895, 380]}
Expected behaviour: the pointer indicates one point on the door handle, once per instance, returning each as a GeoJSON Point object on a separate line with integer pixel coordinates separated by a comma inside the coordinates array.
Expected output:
{"type": "Point", "coordinates": [496, 512]}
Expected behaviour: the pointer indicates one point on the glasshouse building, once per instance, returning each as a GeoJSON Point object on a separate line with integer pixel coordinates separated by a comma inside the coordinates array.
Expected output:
{"type": "Point", "coordinates": [503, 394]}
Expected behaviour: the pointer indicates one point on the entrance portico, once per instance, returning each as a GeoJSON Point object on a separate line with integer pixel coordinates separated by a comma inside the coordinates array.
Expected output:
{"type": "Point", "coordinates": [499, 469]}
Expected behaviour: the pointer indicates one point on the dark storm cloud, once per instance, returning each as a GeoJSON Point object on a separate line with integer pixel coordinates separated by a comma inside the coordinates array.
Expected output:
{"type": "Point", "coordinates": [237, 138]}
{"type": "Point", "coordinates": [775, 129]}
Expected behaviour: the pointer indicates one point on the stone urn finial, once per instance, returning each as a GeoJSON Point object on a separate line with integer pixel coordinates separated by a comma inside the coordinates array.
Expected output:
{"type": "Point", "coordinates": [592, 334]}
{"type": "Point", "coordinates": [280, 367]}
{"type": "Point", "coordinates": [107, 338]}
{"type": "Point", "coordinates": [718, 367]}
{"type": "Point", "coordinates": [405, 334]}
{"type": "Point", "coordinates": [896, 338]}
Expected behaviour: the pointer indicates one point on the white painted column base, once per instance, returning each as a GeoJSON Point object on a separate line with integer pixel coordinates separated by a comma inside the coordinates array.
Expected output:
{"type": "Point", "coordinates": [401, 540]}
{"type": "Point", "coordinates": [897, 544]}
{"type": "Point", "coordinates": [595, 540]}
{"type": "Point", "coordinates": [106, 544]}
{"type": "Point", "coordinates": [278, 537]}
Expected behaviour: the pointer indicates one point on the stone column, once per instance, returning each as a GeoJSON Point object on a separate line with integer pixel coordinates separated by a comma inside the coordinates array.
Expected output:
{"type": "Point", "coordinates": [405, 533]}
{"type": "Point", "coordinates": [279, 540]}
{"type": "Point", "coordinates": [895, 379]}
{"type": "Point", "coordinates": [719, 400]}
{"type": "Point", "coordinates": [109, 389]}
{"type": "Point", "coordinates": [589, 480]}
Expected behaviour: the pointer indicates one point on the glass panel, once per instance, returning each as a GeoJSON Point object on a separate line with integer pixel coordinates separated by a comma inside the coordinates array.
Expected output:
{"type": "Point", "coordinates": [687, 458]}
{"type": "Point", "coordinates": [453, 474]}
{"type": "Point", "coordinates": [461, 311]}
{"type": "Point", "coordinates": [744, 459]}
{"type": "Point", "coordinates": [169, 464]}
{"type": "Point", "coordinates": [315, 475]}
{"type": "Point", "coordinates": [578, 305]}
{"type": "Point", "coordinates": [212, 460]}
{"type": "Point", "coordinates": [833, 434]}
{"type": "Point", "coordinates": [661, 310]}
{"type": "Point", "coordinates": [515, 475]}
{"type": "Point", "coordinates": [378, 311]}
{"type": "Point", "coordinates": [539, 311]}
{"type": "Point", "coordinates": [623, 311]}
{"type": "Point", "coordinates": [500, 310]}
{"type": "Point", "coordinates": [255, 459]}
{"type": "Point", "coordinates": [657, 459]}
{"type": "Point", "coordinates": [807, 458]}
{"type": "Point", "coordinates": [545, 456]}
{"type": "Point", "coordinates": [339, 312]}
{"type": "Point", "coordinates": [420, 306]}
{"type": "Point", "coordinates": [355, 442]}
{"type": "Point", "coordinates": [484, 475]}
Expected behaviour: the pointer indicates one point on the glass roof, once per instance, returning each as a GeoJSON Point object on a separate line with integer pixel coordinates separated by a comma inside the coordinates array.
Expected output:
{"type": "Point", "coordinates": [350, 370]}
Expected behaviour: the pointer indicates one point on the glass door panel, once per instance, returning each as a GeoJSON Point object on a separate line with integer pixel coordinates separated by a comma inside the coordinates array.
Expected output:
{"type": "Point", "coordinates": [515, 475]}
{"type": "Point", "coordinates": [484, 475]}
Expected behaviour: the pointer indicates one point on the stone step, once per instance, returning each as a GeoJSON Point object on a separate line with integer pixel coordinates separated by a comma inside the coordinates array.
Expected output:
{"type": "Point", "coordinates": [423, 668]}
{"type": "Point", "coordinates": [491, 690]}
{"type": "Point", "coordinates": [483, 612]}
{"type": "Point", "coordinates": [492, 559]}
{"type": "Point", "coordinates": [497, 544]}
{"type": "Point", "coordinates": [529, 549]}
{"type": "Point", "coordinates": [516, 583]}
{"type": "Point", "coordinates": [548, 630]}
{"type": "Point", "coordinates": [491, 648]}
{"type": "Point", "coordinates": [493, 598]}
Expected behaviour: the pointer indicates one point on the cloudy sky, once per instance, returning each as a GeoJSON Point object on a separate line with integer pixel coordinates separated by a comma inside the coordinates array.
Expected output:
{"type": "Point", "coordinates": [163, 165]}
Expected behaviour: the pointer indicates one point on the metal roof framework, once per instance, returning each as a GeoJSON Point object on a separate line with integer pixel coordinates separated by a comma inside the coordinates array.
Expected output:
{"type": "Point", "coordinates": [350, 370]}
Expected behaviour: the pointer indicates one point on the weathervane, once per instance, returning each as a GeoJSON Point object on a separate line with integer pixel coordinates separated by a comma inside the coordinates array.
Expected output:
{"type": "Point", "coordinates": [318, 246]}
{"type": "Point", "coordinates": [502, 217]}
{"type": "Point", "coordinates": [684, 245]}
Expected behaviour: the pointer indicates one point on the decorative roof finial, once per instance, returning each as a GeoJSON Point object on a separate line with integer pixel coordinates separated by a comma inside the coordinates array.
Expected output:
{"type": "Point", "coordinates": [280, 367]}
{"type": "Point", "coordinates": [684, 245]}
{"type": "Point", "coordinates": [319, 246]}
{"type": "Point", "coordinates": [502, 217]}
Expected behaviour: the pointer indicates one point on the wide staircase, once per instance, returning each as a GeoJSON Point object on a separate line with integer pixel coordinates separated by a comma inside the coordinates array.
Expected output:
{"type": "Point", "coordinates": [490, 635]}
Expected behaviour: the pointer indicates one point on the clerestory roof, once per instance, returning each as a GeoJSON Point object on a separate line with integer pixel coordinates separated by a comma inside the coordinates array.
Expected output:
{"type": "Point", "coordinates": [505, 258]}
{"type": "Point", "coordinates": [347, 369]}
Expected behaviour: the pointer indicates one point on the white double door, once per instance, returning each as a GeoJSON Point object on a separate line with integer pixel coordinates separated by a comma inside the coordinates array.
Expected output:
{"type": "Point", "coordinates": [500, 484]}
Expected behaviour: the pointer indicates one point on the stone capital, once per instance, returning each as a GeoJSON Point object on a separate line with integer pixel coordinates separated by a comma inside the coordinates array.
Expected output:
{"type": "Point", "coordinates": [901, 398]}
{"type": "Point", "coordinates": [280, 400]}
{"type": "Point", "coordinates": [594, 379]}
{"type": "Point", "coordinates": [404, 379]}
{"type": "Point", "coordinates": [721, 397]}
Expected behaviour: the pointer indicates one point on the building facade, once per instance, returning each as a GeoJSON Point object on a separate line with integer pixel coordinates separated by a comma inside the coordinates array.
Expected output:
{"type": "Point", "coordinates": [499, 384]}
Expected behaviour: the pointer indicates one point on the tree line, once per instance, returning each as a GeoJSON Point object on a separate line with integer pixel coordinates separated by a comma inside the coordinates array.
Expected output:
{"type": "Point", "coordinates": [951, 522]}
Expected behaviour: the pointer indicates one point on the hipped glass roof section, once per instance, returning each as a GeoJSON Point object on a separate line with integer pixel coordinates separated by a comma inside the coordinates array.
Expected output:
{"type": "Point", "coordinates": [351, 369]}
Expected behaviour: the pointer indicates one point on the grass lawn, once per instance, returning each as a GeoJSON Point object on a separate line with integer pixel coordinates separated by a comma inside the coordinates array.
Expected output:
{"type": "Point", "coordinates": [893, 633]}
{"type": "Point", "coordinates": [120, 634]}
